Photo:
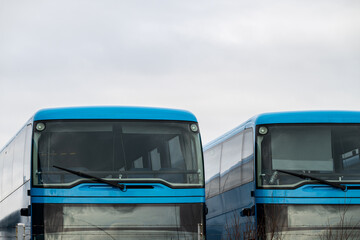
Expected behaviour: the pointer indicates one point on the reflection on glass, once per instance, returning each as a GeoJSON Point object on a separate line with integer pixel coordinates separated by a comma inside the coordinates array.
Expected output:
{"type": "Point", "coordinates": [111, 221]}
{"type": "Point", "coordinates": [329, 152]}
{"type": "Point", "coordinates": [113, 216]}
{"type": "Point", "coordinates": [309, 221]}
{"type": "Point", "coordinates": [162, 150]}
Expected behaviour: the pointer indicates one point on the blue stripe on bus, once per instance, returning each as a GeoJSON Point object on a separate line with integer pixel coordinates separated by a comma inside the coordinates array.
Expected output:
{"type": "Point", "coordinates": [307, 200]}
{"type": "Point", "coordinates": [114, 112]}
{"type": "Point", "coordinates": [98, 189]}
{"type": "Point", "coordinates": [310, 190]}
{"type": "Point", "coordinates": [114, 200]}
{"type": "Point", "coordinates": [315, 194]}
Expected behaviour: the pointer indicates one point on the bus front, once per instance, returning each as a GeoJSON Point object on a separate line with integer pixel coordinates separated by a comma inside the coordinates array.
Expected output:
{"type": "Point", "coordinates": [116, 173]}
{"type": "Point", "coordinates": [308, 175]}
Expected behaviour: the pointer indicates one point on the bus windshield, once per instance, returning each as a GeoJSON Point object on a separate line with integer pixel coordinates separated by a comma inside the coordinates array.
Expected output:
{"type": "Point", "coordinates": [162, 151]}
{"type": "Point", "coordinates": [324, 151]}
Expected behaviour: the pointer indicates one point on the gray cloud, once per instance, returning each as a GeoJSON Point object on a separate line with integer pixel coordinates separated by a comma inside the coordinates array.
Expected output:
{"type": "Point", "coordinates": [223, 60]}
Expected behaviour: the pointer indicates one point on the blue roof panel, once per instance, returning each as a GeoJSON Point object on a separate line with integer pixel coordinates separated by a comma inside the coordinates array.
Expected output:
{"type": "Point", "coordinates": [309, 117]}
{"type": "Point", "coordinates": [291, 117]}
{"type": "Point", "coordinates": [114, 112]}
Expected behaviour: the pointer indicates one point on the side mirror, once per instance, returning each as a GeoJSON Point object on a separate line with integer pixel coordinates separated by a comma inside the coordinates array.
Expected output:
{"type": "Point", "coordinates": [26, 212]}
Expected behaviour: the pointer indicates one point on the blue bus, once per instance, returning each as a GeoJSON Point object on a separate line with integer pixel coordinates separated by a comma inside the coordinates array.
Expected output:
{"type": "Point", "coordinates": [103, 173]}
{"type": "Point", "coordinates": [287, 175]}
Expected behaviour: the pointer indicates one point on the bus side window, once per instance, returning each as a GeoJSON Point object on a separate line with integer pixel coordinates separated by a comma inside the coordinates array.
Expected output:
{"type": "Point", "coordinates": [27, 152]}
{"type": "Point", "coordinates": [247, 169]}
{"type": "Point", "coordinates": [212, 170]}
{"type": "Point", "coordinates": [7, 170]}
{"type": "Point", "coordinates": [18, 160]}
{"type": "Point", "coordinates": [230, 172]}
{"type": "Point", "coordinates": [2, 158]}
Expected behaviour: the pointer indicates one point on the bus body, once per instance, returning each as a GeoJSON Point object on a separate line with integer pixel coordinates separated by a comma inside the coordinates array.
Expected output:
{"type": "Point", "coordinates": [289, 175]}
{"type": "Point", "coordinates": [103, 173]}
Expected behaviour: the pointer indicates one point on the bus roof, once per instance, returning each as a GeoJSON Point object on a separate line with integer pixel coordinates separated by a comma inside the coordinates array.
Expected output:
{"type": "Point", "coordinates": [308, 117]}
{"type": "Point", "coordinates": [114, 112]}
{"type": "Point", "coordinates": [290, 117]}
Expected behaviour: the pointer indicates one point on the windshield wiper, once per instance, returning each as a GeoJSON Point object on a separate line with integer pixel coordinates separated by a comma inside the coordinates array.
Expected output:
{"type": "Point", "coordinates": [85, 175]}
{"type": "Point", "coordinates": [305, 176]}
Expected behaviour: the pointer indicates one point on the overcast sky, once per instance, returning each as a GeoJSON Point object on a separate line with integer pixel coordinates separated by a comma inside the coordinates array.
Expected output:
{"type": "Point", "coordinates": [225, 61]}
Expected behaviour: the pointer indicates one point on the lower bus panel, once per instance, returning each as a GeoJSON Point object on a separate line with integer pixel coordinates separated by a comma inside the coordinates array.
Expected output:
{"type": "Point", "coordinates": [116, 221]}
{"type": "Point", "coordinates": [308, 222]}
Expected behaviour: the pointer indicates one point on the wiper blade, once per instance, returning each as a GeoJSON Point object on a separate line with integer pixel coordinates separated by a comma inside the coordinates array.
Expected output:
{"type": "Point", "coordinates": [305, 176]}
{"type": "Point", "coordinates": [85, 175]}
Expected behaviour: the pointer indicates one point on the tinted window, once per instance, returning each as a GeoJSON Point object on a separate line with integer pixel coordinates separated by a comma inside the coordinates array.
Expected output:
{"type": "Point", "coordinates": [247, 169]}
{"type": "Point", "coordinates": [18, 161]}
{"type": "Point", "coordinates": [236, 156]}
{"type": "Point", "coordinates": [231, 162]}
{"type": "Point", "coordinates": [7, 170]}
{"type": "Point", "coordinates": [212, 170]}
{"type": "Point", "coordinates": [117, 150]}
{"type": "Point", "coordinates": [327, 151]}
